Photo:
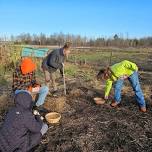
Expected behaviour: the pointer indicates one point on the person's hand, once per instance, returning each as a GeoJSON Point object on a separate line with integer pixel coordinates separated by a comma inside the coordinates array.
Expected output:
{"type": "Point", "coordinates": [106, 97]}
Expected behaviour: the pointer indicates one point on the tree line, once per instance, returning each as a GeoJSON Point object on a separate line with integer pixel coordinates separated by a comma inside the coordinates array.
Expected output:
{"type": "Point", "coordinates": [79, 41]}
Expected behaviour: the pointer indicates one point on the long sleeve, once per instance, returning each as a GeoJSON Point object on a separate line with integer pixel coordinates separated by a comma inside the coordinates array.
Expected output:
{"type": "Point", "coordinates": [108, 87]}
{"type": "Point", "coordinates": [32, 124]}
{"type": "Point", "coordinates": [54, 61]}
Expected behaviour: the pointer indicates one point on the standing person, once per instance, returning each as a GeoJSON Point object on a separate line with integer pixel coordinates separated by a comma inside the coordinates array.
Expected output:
{"type": "Point", "coordinates": [24, 80]}
{"type": "Point", "coordinates": [118, 73]}
{"type": "Point", "coordinates": [54, 61]}
{"type": "Point", "coordinates": [21, 130]}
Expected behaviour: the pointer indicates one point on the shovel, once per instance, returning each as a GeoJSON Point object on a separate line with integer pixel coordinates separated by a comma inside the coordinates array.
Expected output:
{"type": "Point", "coordinates": [64, 84]}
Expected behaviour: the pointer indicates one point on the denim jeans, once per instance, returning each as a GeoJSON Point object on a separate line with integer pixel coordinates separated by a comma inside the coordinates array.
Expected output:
{"type": "Point", "coordinates": [42, 94]}
{"type": "Point", "coordinates": [134, 81]}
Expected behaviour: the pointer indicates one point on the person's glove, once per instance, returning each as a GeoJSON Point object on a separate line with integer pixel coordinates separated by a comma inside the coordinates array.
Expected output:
{"type": "Point", "coordinates": [35, 112]}
{"type": "Point", "coordinates": [38, 117]}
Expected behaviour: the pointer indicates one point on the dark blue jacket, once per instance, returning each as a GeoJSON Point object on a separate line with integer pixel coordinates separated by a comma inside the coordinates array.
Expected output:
{"type": "Point", "coordinates": [54, 61]}
{"type": "Point", "coordinates": [19, 124]}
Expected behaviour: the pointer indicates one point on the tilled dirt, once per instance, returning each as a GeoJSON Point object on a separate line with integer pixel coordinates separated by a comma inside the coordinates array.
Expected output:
{"type": "Point", "coordinates": [100, 128]}
{"type": "Point", "coordinates": [87, 127]}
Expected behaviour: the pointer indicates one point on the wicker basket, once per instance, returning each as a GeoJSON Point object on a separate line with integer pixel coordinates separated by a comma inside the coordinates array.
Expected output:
{"type": "Point", "coordinates": [99, 100]}
{"type": "Point", "coordinates": [53, 117]}
{"type": "Point", "coordinates": [55, 104]}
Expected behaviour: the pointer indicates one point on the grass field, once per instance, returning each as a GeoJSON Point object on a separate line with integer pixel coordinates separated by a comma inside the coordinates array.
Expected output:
{"type": "Point", "coordinates": [107, 57]}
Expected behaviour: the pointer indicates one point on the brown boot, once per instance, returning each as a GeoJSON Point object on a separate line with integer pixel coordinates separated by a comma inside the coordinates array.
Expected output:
{"type": "Point", "coordinates": [114, 104]}
{"type": "Point", "coordinates": [143, 109]}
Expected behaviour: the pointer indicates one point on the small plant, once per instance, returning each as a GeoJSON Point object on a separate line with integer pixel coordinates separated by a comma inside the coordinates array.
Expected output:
{"type": "Point", "coordinates": [71, 70]}
{"type": "Point", "coordinates": [87, 77]}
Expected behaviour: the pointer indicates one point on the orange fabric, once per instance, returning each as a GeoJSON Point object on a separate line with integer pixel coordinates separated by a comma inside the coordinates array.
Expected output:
{"type": "Point", "coordinates": [27, 66]}
{"type": "Point", "coordinates": [30, 89]}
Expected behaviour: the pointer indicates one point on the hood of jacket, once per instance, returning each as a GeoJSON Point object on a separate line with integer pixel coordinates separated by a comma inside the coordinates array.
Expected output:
{"type": "Point", "coordinates": [24, 100]}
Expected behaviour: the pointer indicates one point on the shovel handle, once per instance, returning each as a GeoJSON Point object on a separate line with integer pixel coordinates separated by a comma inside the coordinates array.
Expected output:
{"type": "Point", "coordinates": [64, 80]}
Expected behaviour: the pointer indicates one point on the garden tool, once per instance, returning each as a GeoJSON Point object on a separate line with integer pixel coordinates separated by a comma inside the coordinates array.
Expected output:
{"type": "Point", "coordinates": [64, 80]}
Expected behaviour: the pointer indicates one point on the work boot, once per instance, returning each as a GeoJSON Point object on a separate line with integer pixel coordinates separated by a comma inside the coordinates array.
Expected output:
{"type": "Point", "coordinates": [114, 104]}
{"type": "Point", "coordinates": [143, 109]}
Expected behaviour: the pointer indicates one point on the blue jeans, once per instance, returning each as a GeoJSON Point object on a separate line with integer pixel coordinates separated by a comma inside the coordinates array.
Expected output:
{"type": "Point", "coordinates": [42, 94]}
{"type": "Point", "coordinates": [134, 81]}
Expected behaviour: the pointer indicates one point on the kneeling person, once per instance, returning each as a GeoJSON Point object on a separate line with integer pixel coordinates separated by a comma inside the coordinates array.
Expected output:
{"type": "Point", "coordinates": [24, 80]}
{"type": "Point", "coordinates": [21, 130]}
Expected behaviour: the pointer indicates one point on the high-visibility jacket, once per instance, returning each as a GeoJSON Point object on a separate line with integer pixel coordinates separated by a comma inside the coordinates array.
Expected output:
{"type": "Point", "coordinates": [120, 70]}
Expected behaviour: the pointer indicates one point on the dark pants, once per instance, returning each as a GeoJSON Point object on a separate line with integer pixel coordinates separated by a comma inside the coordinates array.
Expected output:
{"type": "Point", "coordinates": [34, 140]}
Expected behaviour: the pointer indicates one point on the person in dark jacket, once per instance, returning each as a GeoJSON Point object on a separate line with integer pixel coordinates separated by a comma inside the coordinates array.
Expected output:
{"type": "Point", "coordinates": [53, 62]}
{"type": "Point", "coordinates": [21, 130]}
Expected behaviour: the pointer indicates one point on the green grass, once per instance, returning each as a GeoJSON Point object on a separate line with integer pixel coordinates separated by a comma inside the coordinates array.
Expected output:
{"type": "Point", "coordinates": [89, 56]}
{"type": "Point", "coordinates": [98, 56]}
{"type": "Point", "coordinates": [86, 73]}
{"type": "Point", "coordinates": [103, 57]}
{"type": "Point", "coordinates": [71, 70]}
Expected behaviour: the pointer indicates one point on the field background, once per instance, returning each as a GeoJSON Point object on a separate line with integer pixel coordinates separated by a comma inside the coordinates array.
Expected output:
{"type": "Point", "coordinates": [94, 58]}
{"type": "Point", "coordinates": [85, 126]}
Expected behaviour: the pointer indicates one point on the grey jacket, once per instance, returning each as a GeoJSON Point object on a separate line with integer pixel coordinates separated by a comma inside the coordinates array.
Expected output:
{"type": "Point", "coordinates": [54, 61]}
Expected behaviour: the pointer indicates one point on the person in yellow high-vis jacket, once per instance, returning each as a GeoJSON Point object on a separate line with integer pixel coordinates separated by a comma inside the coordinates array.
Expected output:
{"type": "Point", "coordinates": [118, 73]}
